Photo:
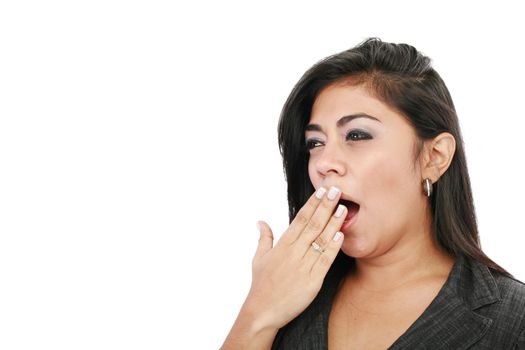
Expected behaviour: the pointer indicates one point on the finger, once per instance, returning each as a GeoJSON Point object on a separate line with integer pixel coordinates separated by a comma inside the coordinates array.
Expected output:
{"type": "Point", "coordinates": [265, 239]}
{"type": "Point", "coordinates": [325, 260]}
{"type": "Point", "coordinates": [320, 218]}
{"type": "Point", "coordinates": [304, 215]}
{"type": "Point", "coordinates": [323, 239]}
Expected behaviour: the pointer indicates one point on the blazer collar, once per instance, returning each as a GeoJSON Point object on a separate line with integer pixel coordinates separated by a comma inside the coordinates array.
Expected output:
{"type": "Point", "coordinates": [450, 321]}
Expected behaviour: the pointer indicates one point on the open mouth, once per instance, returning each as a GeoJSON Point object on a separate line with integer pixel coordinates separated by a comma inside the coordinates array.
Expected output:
{"type": "Point", "coordinates": [353, 209]}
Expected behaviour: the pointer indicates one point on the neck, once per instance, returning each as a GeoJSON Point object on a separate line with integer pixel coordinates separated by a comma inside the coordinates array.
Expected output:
{"type": "Point", "coordinates": [418, 258]}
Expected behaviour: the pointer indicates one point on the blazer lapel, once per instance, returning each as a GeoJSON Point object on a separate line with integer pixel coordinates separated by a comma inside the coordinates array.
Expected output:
{"type": "Point", "coordinates": [450, 321]}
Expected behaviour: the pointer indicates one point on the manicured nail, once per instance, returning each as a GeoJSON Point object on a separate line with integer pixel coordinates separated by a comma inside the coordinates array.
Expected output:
{"type": "Point", "coordinates": [259, 226]}
{"type": "Point", "coordinates": [334, 191]}
{"type": "Point", "coordinates": [337, 236]}
{"type": "Point", "coordinates": [340, 210]}
{"type": "Point", "coordinates": [320, 192]}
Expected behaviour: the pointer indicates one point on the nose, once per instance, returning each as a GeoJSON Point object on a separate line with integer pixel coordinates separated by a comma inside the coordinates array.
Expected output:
{"type": "Point", "coordinates": [331, 160]}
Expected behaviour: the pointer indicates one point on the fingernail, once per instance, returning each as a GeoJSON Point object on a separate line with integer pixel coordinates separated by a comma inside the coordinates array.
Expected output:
{"type": "Point", "coordinates": [340, 210]}
{"type": "Point", "coordinates": [337, 236]}
{"type": "Point", "coordinates": [259, 226]}
{"type": "Point", "coordinates": [320, 192]}
{"type": "Point", "coordinates": [334, 191]}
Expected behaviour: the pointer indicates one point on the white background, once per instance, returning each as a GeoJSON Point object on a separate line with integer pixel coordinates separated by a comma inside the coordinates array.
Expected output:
{"type": "Point", "coordinates": [138, 148]}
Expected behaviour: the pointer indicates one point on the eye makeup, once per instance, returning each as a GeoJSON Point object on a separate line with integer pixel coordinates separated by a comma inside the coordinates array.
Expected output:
{"type": "Point", "coordinates": [352, 135]}
{"type": "Point", "coordinates": [358, 135]}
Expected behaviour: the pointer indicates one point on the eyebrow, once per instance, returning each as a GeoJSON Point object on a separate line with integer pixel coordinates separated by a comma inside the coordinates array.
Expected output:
{"type": "Point", "coordinates": [341, 122]}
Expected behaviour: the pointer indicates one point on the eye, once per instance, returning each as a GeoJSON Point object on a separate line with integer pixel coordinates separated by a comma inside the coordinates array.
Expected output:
{"type": "Point", "coordinates": [312, 143]}
{"type": "Point", "coordinates": [358, 135]}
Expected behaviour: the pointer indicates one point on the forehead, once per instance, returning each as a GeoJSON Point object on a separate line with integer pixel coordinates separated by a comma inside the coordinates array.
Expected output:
{"type": "Point", "coordinates": [338, 100]}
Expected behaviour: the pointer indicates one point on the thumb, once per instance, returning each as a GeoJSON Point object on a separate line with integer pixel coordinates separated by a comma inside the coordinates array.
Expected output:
{"type": "Point", "coordinates": [265, 239]}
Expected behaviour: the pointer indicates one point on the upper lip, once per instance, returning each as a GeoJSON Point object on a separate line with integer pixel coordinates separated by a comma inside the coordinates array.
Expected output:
{"type": "Point", "coordinates": [347, 198]}
{"type": "Point", "coordinates": [344, 196]}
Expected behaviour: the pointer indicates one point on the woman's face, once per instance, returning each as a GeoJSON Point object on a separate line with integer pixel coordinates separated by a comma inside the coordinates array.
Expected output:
{"type": "Point", "coordinates": [366, 149]}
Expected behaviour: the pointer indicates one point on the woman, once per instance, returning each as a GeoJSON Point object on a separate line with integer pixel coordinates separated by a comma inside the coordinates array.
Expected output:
{"type": "Point", "coordinates": [382, 250]}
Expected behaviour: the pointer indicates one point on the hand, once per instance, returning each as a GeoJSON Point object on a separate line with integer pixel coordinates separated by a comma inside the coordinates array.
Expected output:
{"type": "Point", "coordinates": [286, 278]}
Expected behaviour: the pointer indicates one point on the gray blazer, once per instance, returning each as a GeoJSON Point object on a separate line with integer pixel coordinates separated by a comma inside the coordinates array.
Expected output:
{"type": "Point", "coordinates": [477, 308]}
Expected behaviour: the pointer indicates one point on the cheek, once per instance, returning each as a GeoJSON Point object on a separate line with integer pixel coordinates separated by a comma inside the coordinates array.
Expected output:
{"type": "Point", "coordinates": [312, 174]}
{"type": "Point", "coordinates": [387, 184]}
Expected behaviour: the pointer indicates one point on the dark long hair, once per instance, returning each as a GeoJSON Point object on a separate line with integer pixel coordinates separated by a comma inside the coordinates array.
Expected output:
{"type": "Point", "coordinates": [402, 78]}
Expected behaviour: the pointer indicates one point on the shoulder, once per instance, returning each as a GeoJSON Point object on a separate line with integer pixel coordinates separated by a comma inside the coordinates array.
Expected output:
{"type": "Point", "coordinates": [512, 309]}
{"type": "Point", "coordinates": [506, 311]}
{"type": "Point", "coordinates": [485, 286]}
{"type": "Point", "coordinates": [504, 291]}
{"type": "Point", "coordinates": [511, 298]}
{"type": "Point", "coordinates": [511, 289]}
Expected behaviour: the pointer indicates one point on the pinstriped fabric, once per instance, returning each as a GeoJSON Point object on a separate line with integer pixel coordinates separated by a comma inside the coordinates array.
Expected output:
{"type": "Point", "coordinates": [520, 344]}
{"type": "Point", "coordinates": [476, 308]}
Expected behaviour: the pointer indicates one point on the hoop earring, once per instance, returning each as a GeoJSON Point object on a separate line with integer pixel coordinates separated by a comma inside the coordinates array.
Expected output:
{"type": "Point", "coordinates": [427, 187]}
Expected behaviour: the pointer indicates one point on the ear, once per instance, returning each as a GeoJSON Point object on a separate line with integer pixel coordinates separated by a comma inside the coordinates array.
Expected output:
{"type": "Point", "coordinates": [439, 152]}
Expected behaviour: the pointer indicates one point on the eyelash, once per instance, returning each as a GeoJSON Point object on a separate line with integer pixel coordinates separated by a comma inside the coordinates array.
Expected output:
{"type": "Point", "coordinates": [310, 143]}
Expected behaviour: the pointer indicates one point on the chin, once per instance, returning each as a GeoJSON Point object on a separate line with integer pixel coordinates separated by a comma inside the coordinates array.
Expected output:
{"type": "Point", "coordinates": [356, 247]}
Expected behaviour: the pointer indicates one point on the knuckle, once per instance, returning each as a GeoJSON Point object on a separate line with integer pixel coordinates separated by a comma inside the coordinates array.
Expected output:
{"type": "Point", "coordinates": [324, 260]}
{"type": "Point", "coordinates": [334, 223]}
{"type": "Point", "coordinates": [315, 226]}
{"type": "Point", "coordinates": [321, 241]}
{"type": "Point", "coordinates": [313, 285]}
{"type": "Point", "coordinates": [301, 218]}
{"type": "Point", "coordinates": [326, 204]}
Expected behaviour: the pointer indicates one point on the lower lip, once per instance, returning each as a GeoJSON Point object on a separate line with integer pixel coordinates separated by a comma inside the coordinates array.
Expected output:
{"type": "Point", "coordinates": [349, 221]}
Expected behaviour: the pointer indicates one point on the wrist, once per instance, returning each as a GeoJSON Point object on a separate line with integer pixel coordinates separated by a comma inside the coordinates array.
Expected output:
{"type": "Point", "coordinates": [251, 330]}
{"type": "Point", "coordinates": [257, 322]}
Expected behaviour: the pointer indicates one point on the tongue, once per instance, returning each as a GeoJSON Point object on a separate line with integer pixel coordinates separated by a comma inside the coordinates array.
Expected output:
{"type": "Point", "coordinates": [353, 208]}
